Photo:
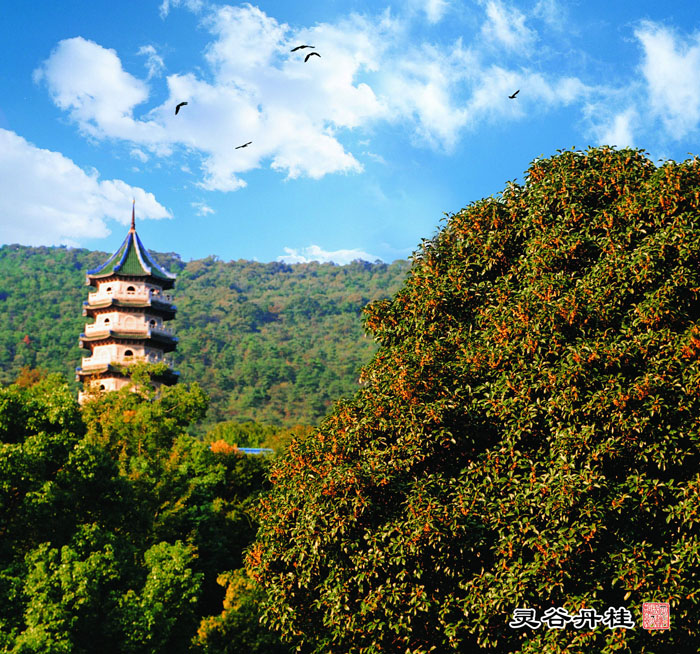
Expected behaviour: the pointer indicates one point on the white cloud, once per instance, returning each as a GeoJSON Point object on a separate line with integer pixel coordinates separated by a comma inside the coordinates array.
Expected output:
{"type": "Point", "coordinates": [202, 208]}
{"type": "Point", "coordinates": [136, 153]}
{"type": "Point", "coordinates": [505, 27]}
{"type": "Point", "coordinates": [426, 85]}
{"type": "Point", "coordinates": [154, 62]}
{"type": "Point", "coordinates": [260, 92]}
{"type": "Point", "coordinates": [489, 102]}
{"type": "Point", "coordinates": [662, 103]}
{"type": "Point", "coordinates": [316, 253]}
{"type": "Point", "coordinates": [435, 10]}
{"type": "Point", "coordinates": [371, 71]}
{"type": "Point", "coordinates": [432, 10]}
{"type": "Point", "coordinates": [89, 82]}
{"type": "Point", "coordinates": [192, 5]}
{"type": "Point", "coordinates": [551, 12]}
{"type": "Point", "coordinates": [618, 129]}
{"type": "Point", "coordinates": [247, 39]}
{"type": "Point", "coordinates": [46, 199]}
{"type": "Point", "coordinates": [375, 157]}
{"type": "Point", "coordinates": [671, 69]}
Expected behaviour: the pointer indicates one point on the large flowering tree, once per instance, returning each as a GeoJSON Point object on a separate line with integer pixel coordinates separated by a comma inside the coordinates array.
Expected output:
{"type": "Point", "coordinates": [527, 436]}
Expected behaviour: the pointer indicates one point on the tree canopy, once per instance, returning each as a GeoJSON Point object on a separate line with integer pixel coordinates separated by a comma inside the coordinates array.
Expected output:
{"type": "Point", "coordinates": [119, 531]}
{"type": "Point", "coordinates": [527, 435]}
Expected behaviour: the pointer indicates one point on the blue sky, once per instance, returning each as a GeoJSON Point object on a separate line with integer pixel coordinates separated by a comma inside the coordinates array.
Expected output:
{"type": "Point", "coordinates": [356, 153]}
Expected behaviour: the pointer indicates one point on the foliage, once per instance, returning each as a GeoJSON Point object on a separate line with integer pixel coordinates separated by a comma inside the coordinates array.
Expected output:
{"type": "Point", "coordinates": [235, 630]}
{"type": "Point", "coordinates": [135, 428]}
{"type": "Point", "coordinates": [29, 376]}
{"type": "Point", "coordinates": [250, 434]}
{"type": "Point", "coordinates": [271, 343]}
{"type": "Point", "coordinates": [163, 616]}
{"type": "Point", "coordinates": [527, 434]}
{"type": "Point", "coordinates": [115, 523]}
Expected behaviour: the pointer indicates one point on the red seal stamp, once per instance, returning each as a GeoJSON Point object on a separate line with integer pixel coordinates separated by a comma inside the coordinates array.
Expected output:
{"type": "Point", "coordinates": [656, 615]}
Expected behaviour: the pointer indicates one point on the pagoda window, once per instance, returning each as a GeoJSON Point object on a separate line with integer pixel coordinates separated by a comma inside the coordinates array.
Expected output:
{"type": "Point", "coordinates": [128, 353]}
{"type": "Point", "coordinates": [108, 289]}
{"type": "Point", "coordinates": [102, 387]}
{"type": "Point", "coordinates": [106, 321]}
{"type": "Point", "coordinates": [130, 290]}
{"type": "Point", "coordinates": [152, 323]}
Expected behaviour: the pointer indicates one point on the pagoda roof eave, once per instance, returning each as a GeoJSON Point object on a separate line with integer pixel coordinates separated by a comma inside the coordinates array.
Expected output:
{"type": "Point", "coordinates": [165, 342]}
{"type": "Point", "coordinates": [154, 306]}
{"type": "Point", "coordinates": [92, 279]}
{"type": "Point", "coordinates": [132, 259]}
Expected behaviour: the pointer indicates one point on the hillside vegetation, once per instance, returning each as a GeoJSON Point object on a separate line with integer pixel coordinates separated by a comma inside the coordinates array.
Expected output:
{"type": "Point", "coordinates": [273, 343]}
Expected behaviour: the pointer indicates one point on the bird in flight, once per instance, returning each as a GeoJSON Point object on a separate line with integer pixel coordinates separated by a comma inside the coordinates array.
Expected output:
{"type": "Point", "coordinates": [301, 47]}
{"type": "Point", "coordinates": [182, 104]}
{"type": "Point", "coordinates": [311, 54]}
{"type": "Point", "coordinates": [245, 145]}
{"type": "Point", "coordinates": [512, 97]}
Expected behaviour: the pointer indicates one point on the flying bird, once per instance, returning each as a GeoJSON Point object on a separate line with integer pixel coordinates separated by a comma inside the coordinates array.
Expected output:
{"type": "Point", "coordinates": [245, 145]}
{"type": "Point", "coordinates": [311, 54]}
{"type": "Point", "coordinates": [301, 47]}
{"type": "Point", "coordinates": [512, 97]}
{"type": "Point", "coordinates": [182, 104]}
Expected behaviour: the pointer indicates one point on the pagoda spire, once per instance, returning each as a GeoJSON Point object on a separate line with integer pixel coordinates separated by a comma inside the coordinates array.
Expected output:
{"type": "Point", "coordinates": [133, 216]}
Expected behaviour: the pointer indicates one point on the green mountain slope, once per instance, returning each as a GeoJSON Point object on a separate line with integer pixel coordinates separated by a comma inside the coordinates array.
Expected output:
{"type": "Point", "coordinates": [272, 342]}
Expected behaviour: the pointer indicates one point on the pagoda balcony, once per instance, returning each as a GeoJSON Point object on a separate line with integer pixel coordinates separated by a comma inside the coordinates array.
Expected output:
{"type": "Point", "coordinates": [90, 363]}
{"type": "Point", "coordinates": [140, 295]}
{"type": "Point", "coordinates": [104, 329]}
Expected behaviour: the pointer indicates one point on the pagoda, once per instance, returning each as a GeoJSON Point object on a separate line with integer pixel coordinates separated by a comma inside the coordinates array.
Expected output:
{"type": "Point", "coordinates": [130, 309]}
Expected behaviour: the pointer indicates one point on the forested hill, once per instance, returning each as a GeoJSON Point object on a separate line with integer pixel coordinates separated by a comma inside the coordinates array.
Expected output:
{"type": "Point", "coordinates": [273, 343]}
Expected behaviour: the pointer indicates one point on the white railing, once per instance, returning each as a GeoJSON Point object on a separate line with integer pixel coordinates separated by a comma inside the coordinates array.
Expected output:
{"type": "Point", "coordinates": [140, 295]}
{"type": "Point", "coordinates": [96, 329]}
{"type": "Point", "coordinates": [145, 328]}
{"type": "Point", "coordinates": [162, 296]}
{"type": "Point", "coordinates": [87, 363]}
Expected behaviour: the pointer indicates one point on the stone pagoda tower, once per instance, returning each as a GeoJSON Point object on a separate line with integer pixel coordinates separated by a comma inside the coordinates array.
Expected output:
{"type": "Point", "coordinates": [130, 309]}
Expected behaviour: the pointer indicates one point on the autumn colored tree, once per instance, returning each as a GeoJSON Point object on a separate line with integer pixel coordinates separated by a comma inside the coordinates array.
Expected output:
{"type": "Point", "coordinates": [29, 376]}
{"type": "Point", "coordinates": [527, 436]}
